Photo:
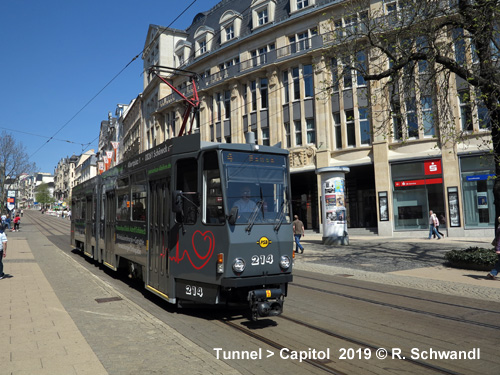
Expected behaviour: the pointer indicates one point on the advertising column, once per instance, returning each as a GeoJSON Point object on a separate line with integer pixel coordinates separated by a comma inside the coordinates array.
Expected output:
{"type": "Point", "coordinates": [333, 205]}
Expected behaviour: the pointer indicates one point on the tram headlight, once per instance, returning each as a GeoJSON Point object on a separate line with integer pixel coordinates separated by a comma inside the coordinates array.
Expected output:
{"type": "Point", "coordinates": [285, 262]}
{"type": "Point", "coordinates": [238, 265]}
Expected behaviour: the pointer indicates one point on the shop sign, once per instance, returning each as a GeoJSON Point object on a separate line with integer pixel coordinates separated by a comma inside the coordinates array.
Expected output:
{"type": "Point", "coordinates": [432, 167]}
{"type": "Point", "coordinates": [479, 177]}
{"type": "Point", "coordinates": [428, 181]}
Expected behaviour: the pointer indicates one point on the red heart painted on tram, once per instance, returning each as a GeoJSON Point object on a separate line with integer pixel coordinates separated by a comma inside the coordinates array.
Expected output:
{"type": "Point", "coordinates": [206, 236]}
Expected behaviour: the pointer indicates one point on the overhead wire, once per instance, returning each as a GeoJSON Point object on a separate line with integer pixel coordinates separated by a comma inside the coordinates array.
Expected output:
{"type": "Point", "coordinates": [104, 87]}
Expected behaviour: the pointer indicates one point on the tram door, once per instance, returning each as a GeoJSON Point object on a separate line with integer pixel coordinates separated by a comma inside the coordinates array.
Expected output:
{"type": "Point", "coordinates": [158, 241]}
{"type": "Point", "coordinates": [110, 217]}
{"type": "Point", "coordinates": [89, 226]}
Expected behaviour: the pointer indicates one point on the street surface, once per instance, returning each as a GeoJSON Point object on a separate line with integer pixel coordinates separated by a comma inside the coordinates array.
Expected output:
{"type": "Point", "coordinates": [347, 308]}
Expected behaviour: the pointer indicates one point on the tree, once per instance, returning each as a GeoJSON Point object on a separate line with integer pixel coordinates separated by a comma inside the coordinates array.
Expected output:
{"type": "Point", "coordinates": [43, 195]}
{"type": "Point", "coordinates": [444, 49]}
{"type": "Point", "coordinates": [14, 162]}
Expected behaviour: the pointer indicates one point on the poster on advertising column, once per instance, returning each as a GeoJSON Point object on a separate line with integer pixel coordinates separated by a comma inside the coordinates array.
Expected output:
{"type": "Point", "coordinates": [332, 190]}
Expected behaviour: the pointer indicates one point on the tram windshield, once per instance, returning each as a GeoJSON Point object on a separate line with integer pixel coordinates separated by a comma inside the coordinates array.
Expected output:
{"type": "Point", "coordinates": [257, 185]}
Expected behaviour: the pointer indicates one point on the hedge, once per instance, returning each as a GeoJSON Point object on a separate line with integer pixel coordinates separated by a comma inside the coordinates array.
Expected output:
{"type": "Point", "coordinates": [472, 258]}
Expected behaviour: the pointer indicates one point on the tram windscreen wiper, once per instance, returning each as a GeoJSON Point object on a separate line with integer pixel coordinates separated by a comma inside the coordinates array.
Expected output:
{"type": "Point", "coordinates": [255, 213]}
{"type": "Point", "coordinates": [281, 216]}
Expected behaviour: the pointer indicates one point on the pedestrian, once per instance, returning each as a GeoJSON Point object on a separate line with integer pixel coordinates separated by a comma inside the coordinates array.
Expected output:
{"type": "Point", "coordinates": [17, 221]}
{"type": "Point", "coordinates": [496, 242]}
{"type": "Point", "coordinates": [22, 213]}
{"type": "Point", "coordinates": [3, 250]}
{"type": "Point", "coordinates": [437, 222]}
{"type": "Point", "coordinates": [432, 225]}
{"type": "Point", "coordinates": [298, 231]}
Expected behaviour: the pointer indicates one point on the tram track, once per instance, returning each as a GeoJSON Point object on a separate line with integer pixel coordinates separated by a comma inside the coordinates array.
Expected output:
{"type": "Point", "coordinates": [324, 365]}
{"type": "Point", "coordinates": [400, 306]}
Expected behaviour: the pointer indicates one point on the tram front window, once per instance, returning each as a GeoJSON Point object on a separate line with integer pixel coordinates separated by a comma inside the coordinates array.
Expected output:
{"type": "Point", "coordinates": [256, 184]}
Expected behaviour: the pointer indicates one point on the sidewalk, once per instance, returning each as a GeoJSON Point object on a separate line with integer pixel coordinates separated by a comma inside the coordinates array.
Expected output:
{"type": "Point", "coordinates": [38, 335]}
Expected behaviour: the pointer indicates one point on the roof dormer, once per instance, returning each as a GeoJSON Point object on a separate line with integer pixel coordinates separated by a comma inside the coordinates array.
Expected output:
{"type": "Point", "coordinates": [203, 38]}
{"type": "Point", "coordinates": [263, 12]}
{"type": "Point", "coordinates": [230, 26]}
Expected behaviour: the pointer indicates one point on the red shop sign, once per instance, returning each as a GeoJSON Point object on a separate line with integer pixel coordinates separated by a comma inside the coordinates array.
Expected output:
{"type": "Point", "coordinates": [429, 181]}
{"type": "Point", "coordinates": [433, 167]}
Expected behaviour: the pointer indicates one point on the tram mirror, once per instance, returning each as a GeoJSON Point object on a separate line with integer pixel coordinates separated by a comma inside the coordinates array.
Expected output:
{"type": "Point", "coordinates": [177, 201]}
{"type": "Point", "coordinates": [233, 215]}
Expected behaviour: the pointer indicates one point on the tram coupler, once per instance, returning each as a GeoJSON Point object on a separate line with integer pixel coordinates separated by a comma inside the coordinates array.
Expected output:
{"type": "Point", "coordinates": [265, 302]}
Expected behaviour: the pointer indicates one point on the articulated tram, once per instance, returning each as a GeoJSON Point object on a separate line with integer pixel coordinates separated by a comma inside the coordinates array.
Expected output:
{"type": "Point", "coordinates": [196, 221]}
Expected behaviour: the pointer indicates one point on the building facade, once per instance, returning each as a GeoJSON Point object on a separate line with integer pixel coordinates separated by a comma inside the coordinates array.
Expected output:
{"type": "Point", "coordinates": [262, 66]}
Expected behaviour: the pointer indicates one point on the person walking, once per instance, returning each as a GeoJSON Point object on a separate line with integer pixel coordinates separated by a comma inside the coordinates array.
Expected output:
{"type": "Point", "coordinates": [298, 232]}
{"type": "Point", "coordinates": [437, 222]}
{"type": "Point", "coordinates": [3, 250]}
{"type": "Point", "coordinates": [432, 225]}
{"type": "Point", "coordinates": [496, 242]}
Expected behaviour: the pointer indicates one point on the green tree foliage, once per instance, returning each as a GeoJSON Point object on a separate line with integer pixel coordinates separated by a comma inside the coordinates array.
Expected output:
{"type": "Point", "coordinates": [43, 195]}
{"type": "Point", "coordinates": [448, 49]}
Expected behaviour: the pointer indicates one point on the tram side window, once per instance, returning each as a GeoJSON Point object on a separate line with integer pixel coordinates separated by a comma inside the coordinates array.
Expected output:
{"type": "Point", "coordinates": [123, 205]}
{"type": "Point", "coordinates": [213, 207]}
{"type": "Point", "coordinates": [139, 203]}
{"type": "Point", "coordinates": [123, 199]}
{"type": "Point", "coordinates": [187, 181]}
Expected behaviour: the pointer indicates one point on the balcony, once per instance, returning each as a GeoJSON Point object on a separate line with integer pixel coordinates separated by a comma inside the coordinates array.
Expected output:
{"type": "Point", "coordinates": [279, 55]}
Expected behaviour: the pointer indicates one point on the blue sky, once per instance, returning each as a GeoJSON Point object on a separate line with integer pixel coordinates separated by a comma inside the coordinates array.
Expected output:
{"type": "Point", "coordinates": [56, 55]}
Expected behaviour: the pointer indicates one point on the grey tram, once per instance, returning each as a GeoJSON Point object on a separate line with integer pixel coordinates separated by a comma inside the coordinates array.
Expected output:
{"type": "Point", "coordinates": [196, 221]}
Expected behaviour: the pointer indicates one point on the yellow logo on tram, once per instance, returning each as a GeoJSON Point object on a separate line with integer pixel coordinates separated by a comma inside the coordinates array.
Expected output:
{"type": "Point", "coordinates": [264, 242]}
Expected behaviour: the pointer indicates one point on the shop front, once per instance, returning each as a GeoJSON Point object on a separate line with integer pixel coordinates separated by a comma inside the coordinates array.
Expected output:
{"type": "Point", "coordinates": [417, 189]}
{"type": "Point", "coordinates": [477, 178]}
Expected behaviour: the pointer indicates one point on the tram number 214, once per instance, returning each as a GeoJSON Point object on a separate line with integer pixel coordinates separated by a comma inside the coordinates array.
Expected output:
{"type": "Point", "coordinates": [195, 291]}
{"type": "Point", "coordinates": [258, 260]}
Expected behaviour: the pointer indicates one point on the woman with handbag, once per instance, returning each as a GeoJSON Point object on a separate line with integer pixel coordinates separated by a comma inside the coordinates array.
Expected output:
{"type": "Point", "coordinates": [496, 242]}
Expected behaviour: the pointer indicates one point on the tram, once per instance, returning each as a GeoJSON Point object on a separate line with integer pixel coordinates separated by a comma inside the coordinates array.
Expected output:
{"type": "Point", "coordinates": [197, 221]}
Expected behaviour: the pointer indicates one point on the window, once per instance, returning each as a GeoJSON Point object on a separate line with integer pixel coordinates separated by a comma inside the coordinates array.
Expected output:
{"type": "Point", "coordinates": [296, 83]}
{"type": "Point", "coordinates": [308, 81]}
{"type": "Point", "coordinates": [213, 210]}
{"type": "Point", "coordinates": [219, 106]}
{"type": "Point", "coordinates": [411, 118]}
{"type": "Point", "coordinates": [302, 4]}
{"type": "Point", "coordinates": [311, 131]}
{"type": "Point", "coordinates": [286, 90]}
{"type": "Point", "coordinates": [362, 68]}
{"type": "Point", "coordinates": [253, 89]}
{"type": "Point", "coordinates": [187, 182]}
{"type": "Point", "coordinates": [288, 136]}
{"type": "Point", "coordinates": [259, 56]}
{"type": "Point", "coordinates": [335, 75]}
{"type": "Point", "coordinates": [263, 12]}
{"type": "Point", "coordinates": [265, 137]}
{"type": "Point", "coordinates": [298, 133]}
{"type": "Point", "coordinates": [465, 110]}
{"type": "Point", "coordinates": [203, 37]}
{"type": "Point", "coordinates": [427, 121]}
{"type": "Point", "coordinates": [351, 130]}
{"type": "Point", "coordinates": [139, 201]}
{"type": "Point", "coordinates": [338, 130]}
{"type": "Point", "coordinates": [262, 17]}
{"type": "Point", "coordinates": [364, 126]}
{"type": "Point", "coordinates": [230, 25]}
{"type": "Point", "coordinates": [397, 124]}
{"type": "Point", "coordinates": [202, 46]}
{"type": "Point", "coordinates": [263, 93]}
{"type": "Point", "coordinates": [229, 32]}
{"type": "Point", "coordinates": [347, 74]}
{"type": "Point", "coordinates": [227, 104]}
